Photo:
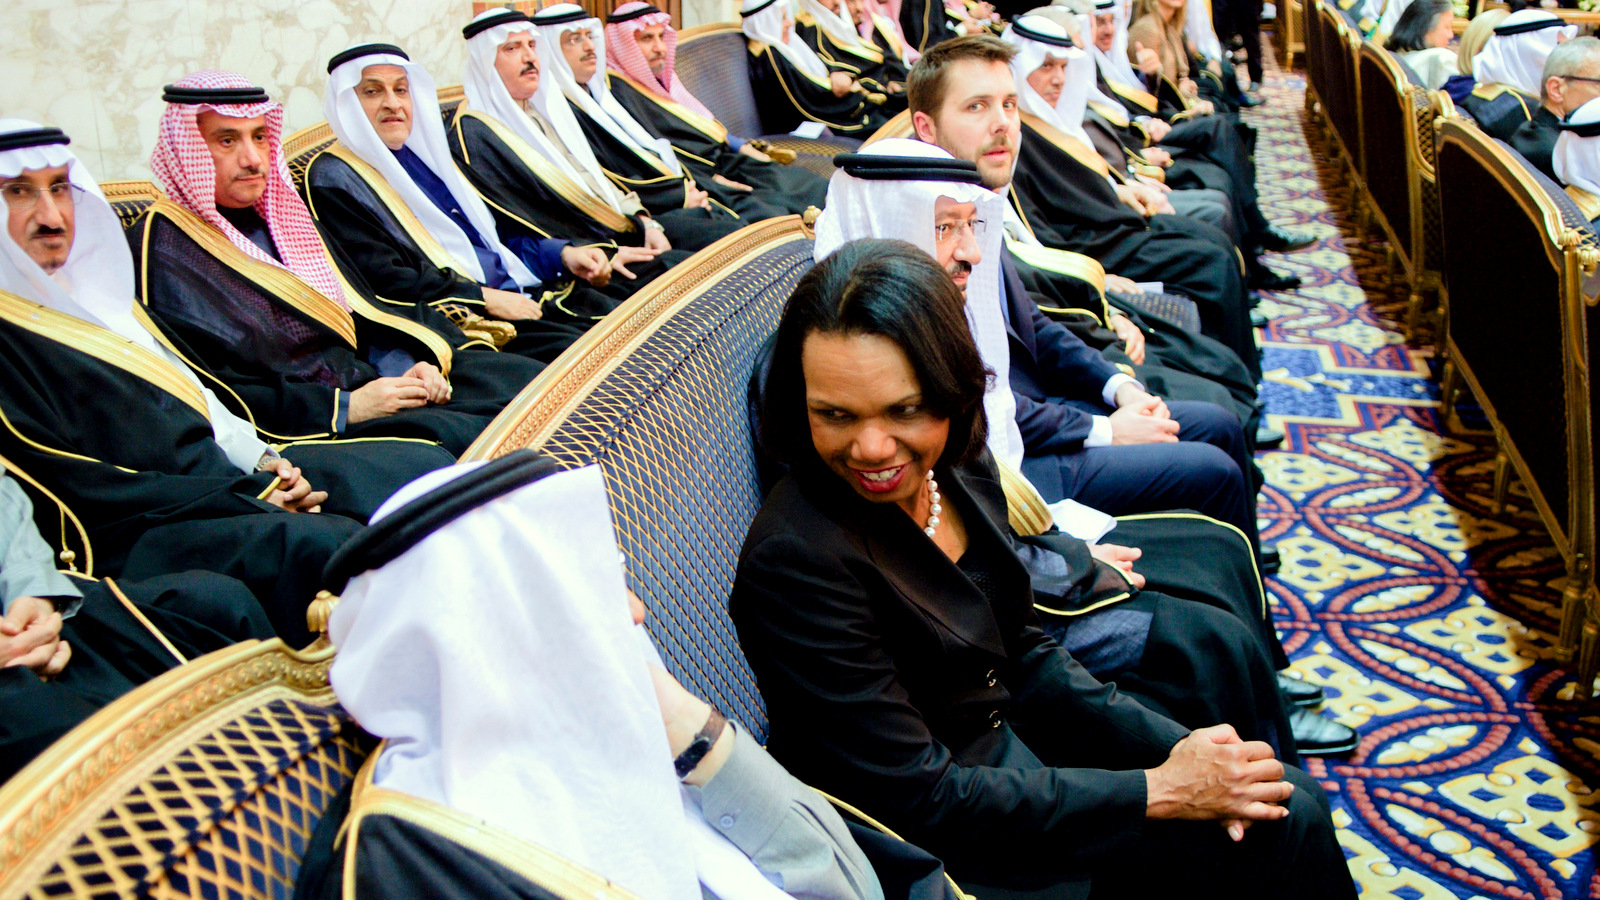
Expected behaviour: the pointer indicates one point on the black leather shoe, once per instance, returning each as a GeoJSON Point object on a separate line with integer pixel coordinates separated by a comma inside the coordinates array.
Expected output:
{"type": "Point", "coordinates": [1265, 279]}
{"type": "Point", "coordinates": [1316, 735]}
{"type": "Point", "coordinates": [1268, 439]}
{"type": "Point", "coordinates": [1298, 691]}
{"type": "Point", "coordinates": [1282, 240]}
{"type": "Point", "coordinates": [1258, 319]}
{"type": "Point", "coordinates": [1271, 561]}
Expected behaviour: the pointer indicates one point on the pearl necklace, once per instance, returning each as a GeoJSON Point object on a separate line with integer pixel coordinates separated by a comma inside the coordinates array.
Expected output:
{"type": "Point", "coordinates": [935, 509]}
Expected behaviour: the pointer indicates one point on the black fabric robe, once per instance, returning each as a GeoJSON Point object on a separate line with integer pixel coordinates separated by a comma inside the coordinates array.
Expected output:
{"type": "Point", "coordinates": [543, 202]}
{"type": "Point", "coordinates": [351, 211]}
{"type": "Point", "coordinates": [405, 846]}
{"type": "Point", "coordinates": [878, 73]}
{"type": "Point", "coordinates": [1069, 204]}
{"type": "Point", "coordinates": [889, 674]}
{"type": "Point", "coordinates": [1536, 138]}
{"type": "Point", "coordinates": [138, 466]}
{"type": "Point", "coordinates": [702, 147]}
{"type": "Point", "coordinates": [925, 24]}
{"type": "Point", "coordinates": [289, 356]}
{"type": "Point", "coordinates": [786, 98]}
{"type": "Point", "coordinates": [664, 191]}
{"type": "Point", "coordinates": [1499, 110]}
{"type": "Point", "coordinates": [114, 652]}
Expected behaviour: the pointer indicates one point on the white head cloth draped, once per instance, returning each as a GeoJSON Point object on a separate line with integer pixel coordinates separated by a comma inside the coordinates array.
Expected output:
{"type": "Point", "coordinates": [1199, 28]}
{"type": "Point", "coordinates": [1067, 112]}
{"type": "Point", "coordinates": [1515, 55]}
{"type": "Point", "coordinates": [1577, 155]}
{"type": "Point", "coordinates": [838, 28]}
{"type": "Point", "coordinates": [96, 282]}
{"type": "Point", "coordinates": [903, 210]}
{"type": "Point", "coordinates": [488, 94]}
{"type": "Point", "coordinates": [545, 725]}
{"type": "Point", "coordinates": [595, 98]}
{"type": "Point", "coordinates": [762, 21]}
{"type": "Point", "coordinates": [428, 141]}
{"type": "Point", "coordinates": [1114, 65]}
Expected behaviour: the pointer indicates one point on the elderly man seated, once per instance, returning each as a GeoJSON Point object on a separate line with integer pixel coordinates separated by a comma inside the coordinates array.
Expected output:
{"type": "Point", "coordinates": [1509, 69]}
{"type": "Point", "coordinates": [413, 227]}
{"type": "Point", "coordinates": [630, 154]}
{"type": "Point", "coordinates": [105, 416]}
{"type": "Point", "coordinates": [518, 139]}
{"type": "Point", "coordinates": [641, 55]}
{"type": "Point", "coordinates": [235, 266]}
{"type": "Point", "coordinates": [553, 750]}
{"type": "Point", "coordinates": [794, 88]}
{"type": "Point", "coordinates": [1571, 79]}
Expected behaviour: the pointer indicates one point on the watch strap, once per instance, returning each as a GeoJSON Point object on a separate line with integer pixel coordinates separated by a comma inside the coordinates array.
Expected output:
{"type": "Point", "coordinates": [703, 741]}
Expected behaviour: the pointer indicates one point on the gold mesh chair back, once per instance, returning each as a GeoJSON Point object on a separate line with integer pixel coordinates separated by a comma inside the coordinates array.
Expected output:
{"type": "Point", "coordinates": [206, 782]}
{"type": "Point", "coordinates": [1519, 335]}
{"type": "Point", "coordinates": [656, 394]}
{"type": "Point", "coordinates": [130, 198]}
{"type": "Point", "coordinates": [299, 149]}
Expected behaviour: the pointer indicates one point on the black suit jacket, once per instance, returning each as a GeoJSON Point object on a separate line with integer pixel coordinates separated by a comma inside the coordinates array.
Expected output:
{"type": "Point", "coordinates": [1536, 138]}
{"type": "Point", "coordinates": [1049, 364]}
{"type": "Point", "coordinates": [893, 683]}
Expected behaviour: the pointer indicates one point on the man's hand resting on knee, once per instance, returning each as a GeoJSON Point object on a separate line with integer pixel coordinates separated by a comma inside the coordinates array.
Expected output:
{"type": "Point", "coordinates": [1212, 774]}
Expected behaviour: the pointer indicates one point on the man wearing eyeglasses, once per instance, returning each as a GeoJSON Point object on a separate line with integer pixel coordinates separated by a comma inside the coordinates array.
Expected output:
{"type": "Point", "coordinates": [1571, 79]}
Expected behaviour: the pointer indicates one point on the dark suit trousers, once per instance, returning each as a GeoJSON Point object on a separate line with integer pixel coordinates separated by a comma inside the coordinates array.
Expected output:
{"type": "Point", "coordinates": [1203, 471]}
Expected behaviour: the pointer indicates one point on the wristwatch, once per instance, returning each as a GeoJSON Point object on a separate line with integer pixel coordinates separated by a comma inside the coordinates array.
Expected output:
{"type": "Point", "coordinates": [704, 740]}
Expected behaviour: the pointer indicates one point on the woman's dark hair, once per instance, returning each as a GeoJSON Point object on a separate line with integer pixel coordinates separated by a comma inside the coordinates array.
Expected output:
{"type": "Point", "coordinates": [893, 290]}
{"type": "Point", "coordinates": [1411, 32]}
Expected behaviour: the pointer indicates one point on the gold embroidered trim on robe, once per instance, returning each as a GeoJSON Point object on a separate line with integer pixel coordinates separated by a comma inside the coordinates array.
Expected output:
{"type": "Point", "coordinates": [711, 128]}
{"type": "Point", "coordinates": [544, 170]}
{"type": "Point", "coordinates": [1143, 99]}
{"type": "Point", "coordinates": [1112, 113]}
{"type": "Point", "coordinates": [66, 555]}
{"type": "Point", "coordinates": [103, 344]}
{"type": "Point", "coordinates": [1064, 142]}
{"type": "Point", "coordinates": [438, 346]}
{"type": "Point", "coordinates": [1066, 262]}
{"type": "Point", "coordinates": [279, 282]}
{"type": "Point", "coordinates": [1588, 203]}
{"type": "Point", "coordinates": [394, 203]}
{"type": "Point", "coordinates": [545, 869]}
{"type": "Point", "coordinates": [647, 157]}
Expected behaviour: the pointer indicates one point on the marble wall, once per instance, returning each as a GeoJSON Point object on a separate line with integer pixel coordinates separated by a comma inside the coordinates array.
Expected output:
{"type": "Point", "coordinates": [95, 68]}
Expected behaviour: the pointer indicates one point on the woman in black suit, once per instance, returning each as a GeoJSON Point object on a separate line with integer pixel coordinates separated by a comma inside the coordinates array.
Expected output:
{"type": "Point", "coordinates": [892, 633]}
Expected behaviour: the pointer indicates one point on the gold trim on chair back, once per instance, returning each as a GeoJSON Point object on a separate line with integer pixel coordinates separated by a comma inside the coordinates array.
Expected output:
{"type": "Point", "coordinates": [206, 781]}
{"type": "Point", "coordinates": [710, 28]}
{"type": "Point", "coordinates": [302, 146]}
{"type": "Point", "coordinates": [129, 199]}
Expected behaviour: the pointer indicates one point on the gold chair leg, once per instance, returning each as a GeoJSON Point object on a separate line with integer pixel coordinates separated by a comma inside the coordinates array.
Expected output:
{"type": "Point", "coordinates": [1391, 260]}
{"type": "Point", "coordinates": [1502, 480]}
{"type": "Point", "coordinates": [1588, 663]}
{"type": "Point", "coordinates": [1448, 387]}
{"type": "Point", "coordinates": [1413, 314]}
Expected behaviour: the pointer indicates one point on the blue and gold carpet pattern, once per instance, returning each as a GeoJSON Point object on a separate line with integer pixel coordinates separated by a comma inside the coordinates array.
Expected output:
{"type": "Point", "coordinates": [1426, 613]}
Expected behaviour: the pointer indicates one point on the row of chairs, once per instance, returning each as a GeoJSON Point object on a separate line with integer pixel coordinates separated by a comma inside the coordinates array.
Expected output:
{"type": "Point", "coordinates": [210, 780]}
{"type": "Point", "coordinates": [1513, 263]}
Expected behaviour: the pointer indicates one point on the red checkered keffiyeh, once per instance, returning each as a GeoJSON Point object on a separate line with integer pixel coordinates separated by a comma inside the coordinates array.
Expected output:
{"type": "Point", "coordinates": [182, 163]}
{"type": "Point", "coordinates": [623, 55]}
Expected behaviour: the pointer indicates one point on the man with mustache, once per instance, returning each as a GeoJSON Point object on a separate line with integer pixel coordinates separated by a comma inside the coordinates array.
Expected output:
{"type": "Point", "coordinates": [517, 139]}
{"type": "Point", "coordinates": [413, 227]}
{"type": "Point", "coordinates": [640, 55]}
{"type": "Point", "coordinates": [631, 155]}
{"type": "Point", "coordinates": [146, 470]}
{"type": "Point", "coordinates": [235, 267]}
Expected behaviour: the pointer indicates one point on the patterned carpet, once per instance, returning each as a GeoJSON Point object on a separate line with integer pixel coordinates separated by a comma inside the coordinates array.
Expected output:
{"type": "Point", "coordinates": [1428, 616]}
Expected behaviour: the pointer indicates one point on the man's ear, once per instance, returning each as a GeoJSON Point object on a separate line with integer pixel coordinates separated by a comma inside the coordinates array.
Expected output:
{"type": "Point", "coordinates": [923, 124]}
{"type": "Point", "coordinates": [1553, 92]}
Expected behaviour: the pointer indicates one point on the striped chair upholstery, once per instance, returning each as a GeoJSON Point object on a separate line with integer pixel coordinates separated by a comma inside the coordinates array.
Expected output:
{"type": "Point", "coordinates": [130, 198]}
{"type": "Point", "coordinates": [656, 395]}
